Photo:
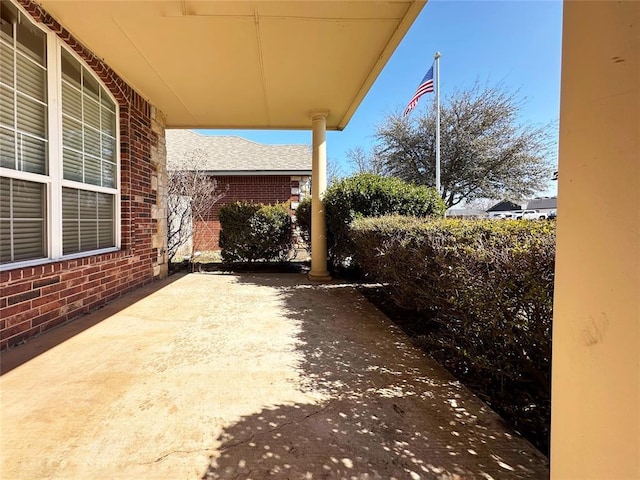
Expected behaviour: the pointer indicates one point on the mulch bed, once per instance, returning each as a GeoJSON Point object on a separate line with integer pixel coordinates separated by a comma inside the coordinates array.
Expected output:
{"type": "Point", "coordinates": [242, 267]}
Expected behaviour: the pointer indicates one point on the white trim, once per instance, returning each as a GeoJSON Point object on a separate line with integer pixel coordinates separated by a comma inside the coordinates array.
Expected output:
{"type": "Point", "coordinates": [118, 206]}
{"type": "Point", "coordinates": [14, 90]}
{"type": "Point", "coordinates": [87, 187]}
{"type": "Point", "coordinates": [36, 262]}
{"type": "Point", "coordinates": [257, 173]}
{"type": "Point", "coordinates": [20, 175]}
{"type": "Point", "coordinates": [102, 251]}
{"type": "Point", "coordinates": [55, 148]}
{"type": "Point", "coordinates": [24, 134]}
{"type": "Point", "coordinates": [28, 97]}
{"type": "Point", "coordinates": [11, 224]}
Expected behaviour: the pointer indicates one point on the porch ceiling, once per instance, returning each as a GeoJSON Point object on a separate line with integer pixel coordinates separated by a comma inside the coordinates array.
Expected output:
{"type": "Point", "coordinates": [247, 64]}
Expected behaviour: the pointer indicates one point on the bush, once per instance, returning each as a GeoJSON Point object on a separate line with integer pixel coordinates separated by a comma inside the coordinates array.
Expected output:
{"type": "Point", "coordinates": [303, 220]}
{"type": "Point", "coordinates": [367, 195]}
{"type": "Point", "coordinates": [488, 287]}
{"type": "Point", "coordinates": [255, 232]}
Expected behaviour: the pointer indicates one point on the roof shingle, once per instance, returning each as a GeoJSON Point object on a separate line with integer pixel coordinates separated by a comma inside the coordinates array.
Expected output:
{"type": "Point", "coordinates": [224, 153]}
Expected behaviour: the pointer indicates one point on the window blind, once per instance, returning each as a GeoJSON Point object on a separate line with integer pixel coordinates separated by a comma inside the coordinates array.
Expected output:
{"type": "Point", "coordinates": [22, 224]}
{"type": "Point", "coordinates": [23, 137]}
{"type": "Point", "coordinates": [87, 220]}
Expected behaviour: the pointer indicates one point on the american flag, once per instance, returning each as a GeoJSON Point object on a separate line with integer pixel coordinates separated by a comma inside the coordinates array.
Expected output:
{"type": "Point", "coordinates": [426, 86]}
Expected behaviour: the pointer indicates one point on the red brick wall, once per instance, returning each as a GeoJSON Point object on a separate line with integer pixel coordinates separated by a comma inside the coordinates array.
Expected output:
{"type": "Point", "coordinates": [35, 299]}
{"type": "Point", "coordinates": [267, 189]}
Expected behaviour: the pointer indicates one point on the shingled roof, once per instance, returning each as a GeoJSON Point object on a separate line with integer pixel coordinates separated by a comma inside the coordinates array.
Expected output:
{"type": "Point", "coordinates": [225, 154]}
{"type": "Point", "coordinates": [505, 206]}
{"type": "Point", "coordinates": [542, 203]}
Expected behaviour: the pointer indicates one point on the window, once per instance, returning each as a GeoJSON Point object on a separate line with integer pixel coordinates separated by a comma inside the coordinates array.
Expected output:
{"type": "Point", "coordinates": [59, 172]}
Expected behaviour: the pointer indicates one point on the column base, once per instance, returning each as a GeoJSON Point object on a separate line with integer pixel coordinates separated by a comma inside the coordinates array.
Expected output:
{"type": "Point", "coordinates": [319, 276]}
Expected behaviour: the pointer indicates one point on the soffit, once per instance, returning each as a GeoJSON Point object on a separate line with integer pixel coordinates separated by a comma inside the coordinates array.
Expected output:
{"type": "Point", "coordinates": [248, 64]}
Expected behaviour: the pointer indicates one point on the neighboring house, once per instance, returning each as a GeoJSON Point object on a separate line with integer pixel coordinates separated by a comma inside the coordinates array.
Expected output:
{"type": "Point", "coordinates": [543, 205]}
{"type": "Point", "coordinates": [243, 170]}
{"type": "Point", "coordinates": [505, 206]}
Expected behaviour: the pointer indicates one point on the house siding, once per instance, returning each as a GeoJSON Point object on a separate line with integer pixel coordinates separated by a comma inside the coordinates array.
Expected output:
{"type": "Point", "coordinates": [36, 299]}
{"type": "Point", "coordinates": [267, 189]}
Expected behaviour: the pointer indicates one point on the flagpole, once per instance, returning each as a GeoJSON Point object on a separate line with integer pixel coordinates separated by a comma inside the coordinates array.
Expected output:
{"type": "Point", "coordinates": [437, 75]}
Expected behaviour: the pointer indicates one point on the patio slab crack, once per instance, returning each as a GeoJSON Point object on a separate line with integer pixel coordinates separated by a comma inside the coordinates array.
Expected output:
{"type": "Point", "coordinates": [279, 427]}
{"type": "Point", "coordinates": [242, 442]}
{"type": "Point", "coordinates": [174, 452]}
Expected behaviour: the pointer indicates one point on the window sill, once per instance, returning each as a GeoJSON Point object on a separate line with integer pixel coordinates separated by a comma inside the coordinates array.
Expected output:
{"type": "Point", "coordinates": [48, 261]}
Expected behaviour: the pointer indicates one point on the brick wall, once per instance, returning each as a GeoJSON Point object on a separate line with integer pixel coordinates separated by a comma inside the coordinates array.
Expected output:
{"type": "Point", "coordinates": [267, 189]}
{"type": "Point", "coordinates": [35, 299]}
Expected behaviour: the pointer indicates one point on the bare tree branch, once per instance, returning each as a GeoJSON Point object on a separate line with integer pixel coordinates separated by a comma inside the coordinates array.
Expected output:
{"type": "Point", "coordinates": [365, 162]}
{"type": "Point", "coordinates": [334, 171]}
{"type": "Point", "coordinates": [190, 193]}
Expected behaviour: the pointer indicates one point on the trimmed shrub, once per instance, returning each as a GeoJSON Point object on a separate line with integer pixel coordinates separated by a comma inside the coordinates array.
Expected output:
{"type": "Point", "coordinates": [236, 240]}
{"type": "Point", "coordinates": [487, 287]}
{"type": "Point", "coordinates": [255, 232]}
{"type": "Point", "coordinates": [368, 195]}
{"type": "Point", "coordinates": [303, 220]}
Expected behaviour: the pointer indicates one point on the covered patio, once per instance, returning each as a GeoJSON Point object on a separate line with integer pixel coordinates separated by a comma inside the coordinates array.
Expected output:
{"type": "Point", "coordinates": [250, 64]}
{"type": "Point", "coordinates": [172, 382]}
{"type": "Point", "coordinates": [308, 65]}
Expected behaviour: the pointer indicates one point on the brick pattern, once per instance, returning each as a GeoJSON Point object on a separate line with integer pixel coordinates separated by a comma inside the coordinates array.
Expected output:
{"type": "Point", "coordinates": [267, 189]}
{"type": "Point", "coordinates": [35, 299]}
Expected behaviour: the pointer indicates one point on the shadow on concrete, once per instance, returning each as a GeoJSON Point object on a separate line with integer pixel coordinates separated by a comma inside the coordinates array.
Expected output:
{"type": "Point", "coordinates": [20, 354]}
{"type": "Point", "coordinates": [389, 411]}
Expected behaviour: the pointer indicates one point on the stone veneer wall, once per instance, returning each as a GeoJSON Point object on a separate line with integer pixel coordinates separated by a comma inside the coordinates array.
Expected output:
{"type": "Point", "coordinates": [158, 159]}
{"type": "Point", "coordinates": [36, 299]}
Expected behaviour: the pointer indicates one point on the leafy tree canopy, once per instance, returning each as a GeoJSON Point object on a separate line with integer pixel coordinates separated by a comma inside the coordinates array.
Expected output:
{"type": "Point", "coordinates": [484, 151]}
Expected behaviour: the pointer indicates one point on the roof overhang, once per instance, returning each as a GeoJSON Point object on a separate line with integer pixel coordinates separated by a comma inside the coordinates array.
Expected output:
{"type": "Point", "coordinates": [243, 64]}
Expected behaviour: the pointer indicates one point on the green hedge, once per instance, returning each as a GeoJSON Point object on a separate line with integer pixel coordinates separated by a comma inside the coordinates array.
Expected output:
{"type": "Point", "coordinates": [487, 285]}
{"type": "Point", "coordinates": [367, 195]}
{"type": "Point", "coordinates": [303, 220]}
{"type": "Point", "coordinates": [255, 232]}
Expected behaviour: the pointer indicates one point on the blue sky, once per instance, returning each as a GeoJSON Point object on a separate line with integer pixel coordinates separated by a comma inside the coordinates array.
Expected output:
{"type": "Point", "coordinates": [516, 43]}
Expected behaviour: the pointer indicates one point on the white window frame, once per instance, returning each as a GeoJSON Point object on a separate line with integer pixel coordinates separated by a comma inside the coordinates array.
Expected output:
{"type": "Point", "coordinates": [54, 181]}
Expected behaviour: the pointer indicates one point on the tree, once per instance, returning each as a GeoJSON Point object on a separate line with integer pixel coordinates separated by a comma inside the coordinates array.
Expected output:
{"type": "Point", "coordinates": [365, 162]}
{"type": "Point", "coordinates": [481, 203]}
{"type": "Point", "coordinates": [484, 152]}
{"type": "Point", "coordinates": [190, 194]}
{"type": "Point", "coordinates": [334, 171]}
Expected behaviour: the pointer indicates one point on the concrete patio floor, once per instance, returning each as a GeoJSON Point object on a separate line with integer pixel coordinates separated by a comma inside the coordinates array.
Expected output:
{"type": "Point", "coordinates": [253, 376]}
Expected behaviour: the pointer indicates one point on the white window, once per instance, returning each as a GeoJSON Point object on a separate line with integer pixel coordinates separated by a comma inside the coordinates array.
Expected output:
{"type": "Point", "coordinates": [59, 167]}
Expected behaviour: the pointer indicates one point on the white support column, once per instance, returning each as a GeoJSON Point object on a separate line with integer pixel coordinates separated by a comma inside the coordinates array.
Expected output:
{"type": "Point", "coordinates": [319, 270]}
